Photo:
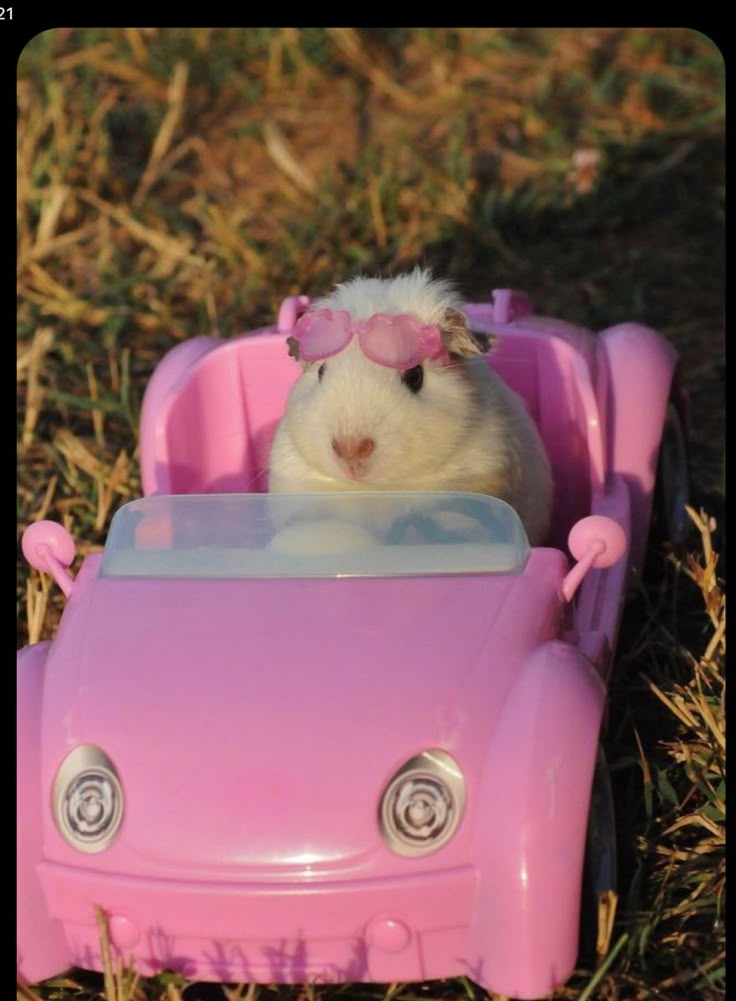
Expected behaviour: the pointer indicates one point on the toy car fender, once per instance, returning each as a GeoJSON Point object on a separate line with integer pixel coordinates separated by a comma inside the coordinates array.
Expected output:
{"type": "Point", "coordinates": [535, 792]}
{"type": "Point", "coordinates": [43, 947]}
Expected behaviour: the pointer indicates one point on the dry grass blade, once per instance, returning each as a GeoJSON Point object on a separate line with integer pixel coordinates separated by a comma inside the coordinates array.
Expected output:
{"type": "Point", "coordinates": [718, 640]}
{"type": "Point", "coordinates": [283, 156]}
{"type": "Point", "coordinates": [98, 58]}
{"type": "Point", "coordinates": [64, 241]}
{"type": "Point", "coordinates": [48, 496]}
{"type": "Point", "coordinates": [676, 706]}
{"type": "Point", "coordinates": [137, 45]}
{"type": "Point", "coordinates": [32, 355]}
{"type": "Point", "coordinates": [603, 968]}
{"type": "Point", "coordinates": [49, 219]}
{"type": "Point", "coordinates": [607, 907]}
{"type": "Point", "coordinates": [349, 43]}
{"type": "Point", "coordinates": [30, 362]}
{"type": "Point", "coordinates": [704, 572]}
{"type": "Point", "coordinates": [171, 249]}
{"type": "Point", "coordinates": [218, 177]}
{"type": "Point", "coordinates": [716, 726]}
{"type": "Point", "coordinates": [126, 982]}
{"type": "Point", "coordinates": [56, 300]}
{"type": "Point", "coordinates": [162, 142]}
{"type": "Point", "coordinates": [77, 453]}
{"type": "Point", "coordinates": [108, 972]}
{"type": "Point", "coordinates": [698, 820]}
{"type": "Point", "coordinates": [37, 600]}
{"type": "Point", "coordinates": [379, 221]}
{"type": "Point", "coordinates": [96, 415]}
{"type": "Point", "coordinates": [26, 993]}
{"type": "Point", "coordinates": [107, 487]}
{"type": "Point", "coordinates": [241, 992]}
{"type": "Point", "coordinates": [43, 281]}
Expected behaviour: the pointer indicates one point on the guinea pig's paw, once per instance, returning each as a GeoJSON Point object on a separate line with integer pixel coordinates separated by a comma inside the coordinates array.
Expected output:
{"type": "Point", "coordinates": [321, 538]}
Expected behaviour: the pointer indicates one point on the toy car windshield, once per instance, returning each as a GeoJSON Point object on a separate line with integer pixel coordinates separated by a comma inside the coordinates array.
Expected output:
{"type": "Point", "coordinates": [314, 535]}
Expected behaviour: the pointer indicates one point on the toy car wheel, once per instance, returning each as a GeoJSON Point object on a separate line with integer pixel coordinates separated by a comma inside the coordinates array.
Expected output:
{"type": "Point", "coordinates": [672, 488]}
{"type": "Point", "coordinates": [599, 872]}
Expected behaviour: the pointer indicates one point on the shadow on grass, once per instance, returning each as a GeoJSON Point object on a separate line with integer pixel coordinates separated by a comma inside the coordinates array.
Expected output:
{"type": "Point", "coordinates": [645, 244]}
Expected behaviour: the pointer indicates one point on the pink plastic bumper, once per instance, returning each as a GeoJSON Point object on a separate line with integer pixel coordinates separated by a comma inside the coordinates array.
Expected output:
{"type": "Point", "coordinates": [413, 928]}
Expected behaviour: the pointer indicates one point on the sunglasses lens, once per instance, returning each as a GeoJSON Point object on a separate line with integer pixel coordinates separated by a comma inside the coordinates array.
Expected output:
{"type": "Point", "coordinates": [394, 342]}
{"type": "Point", "coordinates": [322, 334]}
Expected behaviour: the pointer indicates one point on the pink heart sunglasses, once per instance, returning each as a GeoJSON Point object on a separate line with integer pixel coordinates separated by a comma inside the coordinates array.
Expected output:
{"type": "Point", "coordinates": [394, 341]}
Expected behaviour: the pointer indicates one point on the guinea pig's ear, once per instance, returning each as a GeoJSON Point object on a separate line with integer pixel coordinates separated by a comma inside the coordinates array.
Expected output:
{"type": "Point", "coordinates": [460, 340]}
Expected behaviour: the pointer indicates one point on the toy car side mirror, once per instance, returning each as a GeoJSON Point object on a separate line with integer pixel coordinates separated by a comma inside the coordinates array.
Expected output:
{"type": "Point", "coordinates": [595, 541]}
{"type": "Point", "coordinates": [50, 548]}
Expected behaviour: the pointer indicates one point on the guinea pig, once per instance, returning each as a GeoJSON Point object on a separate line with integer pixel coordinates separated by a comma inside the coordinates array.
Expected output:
{"type": "Point", "coordinates": [447, 422]}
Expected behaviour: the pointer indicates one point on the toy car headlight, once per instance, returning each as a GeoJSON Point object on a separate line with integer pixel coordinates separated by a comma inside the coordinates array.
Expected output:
{"type": "Point", "coordinates": [88, 799]}
{"type": "Point", "coordinates": [423, 804]}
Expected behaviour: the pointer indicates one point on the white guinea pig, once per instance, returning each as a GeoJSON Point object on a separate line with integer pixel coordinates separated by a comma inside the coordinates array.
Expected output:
{"type": "Point", "coordinates": [445, 424]}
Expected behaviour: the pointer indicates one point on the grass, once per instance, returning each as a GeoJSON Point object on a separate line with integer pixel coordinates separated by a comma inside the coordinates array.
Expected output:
{"type": "Point", "coordinates": [179, 181]}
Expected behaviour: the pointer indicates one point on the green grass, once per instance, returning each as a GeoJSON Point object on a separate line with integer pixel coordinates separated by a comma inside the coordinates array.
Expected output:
{"type": "Point", "coordinates": [173, 182]}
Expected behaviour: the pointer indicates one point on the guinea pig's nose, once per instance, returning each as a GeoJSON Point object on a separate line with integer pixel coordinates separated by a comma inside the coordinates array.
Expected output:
{"type": "Point", "coordinates": [353, 449]}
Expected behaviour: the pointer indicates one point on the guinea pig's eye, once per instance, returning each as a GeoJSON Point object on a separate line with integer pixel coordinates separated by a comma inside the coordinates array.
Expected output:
{"type": "Point", "coordinates": [413, 378]}
{"type": "Point", "coordinates": [321, 371]}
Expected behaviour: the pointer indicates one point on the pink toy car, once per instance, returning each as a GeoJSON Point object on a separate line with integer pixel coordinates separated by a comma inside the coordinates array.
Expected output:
{"type": "Point", "coordinates": [344, 737]}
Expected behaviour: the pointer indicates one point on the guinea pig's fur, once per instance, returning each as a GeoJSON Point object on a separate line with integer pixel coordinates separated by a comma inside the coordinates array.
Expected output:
{"type": "Point", "coordinates": [463, 429]}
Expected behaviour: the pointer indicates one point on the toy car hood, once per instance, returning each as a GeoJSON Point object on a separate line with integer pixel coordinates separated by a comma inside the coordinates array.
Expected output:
{"type": "Point", "coordinates": [257, 721]}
